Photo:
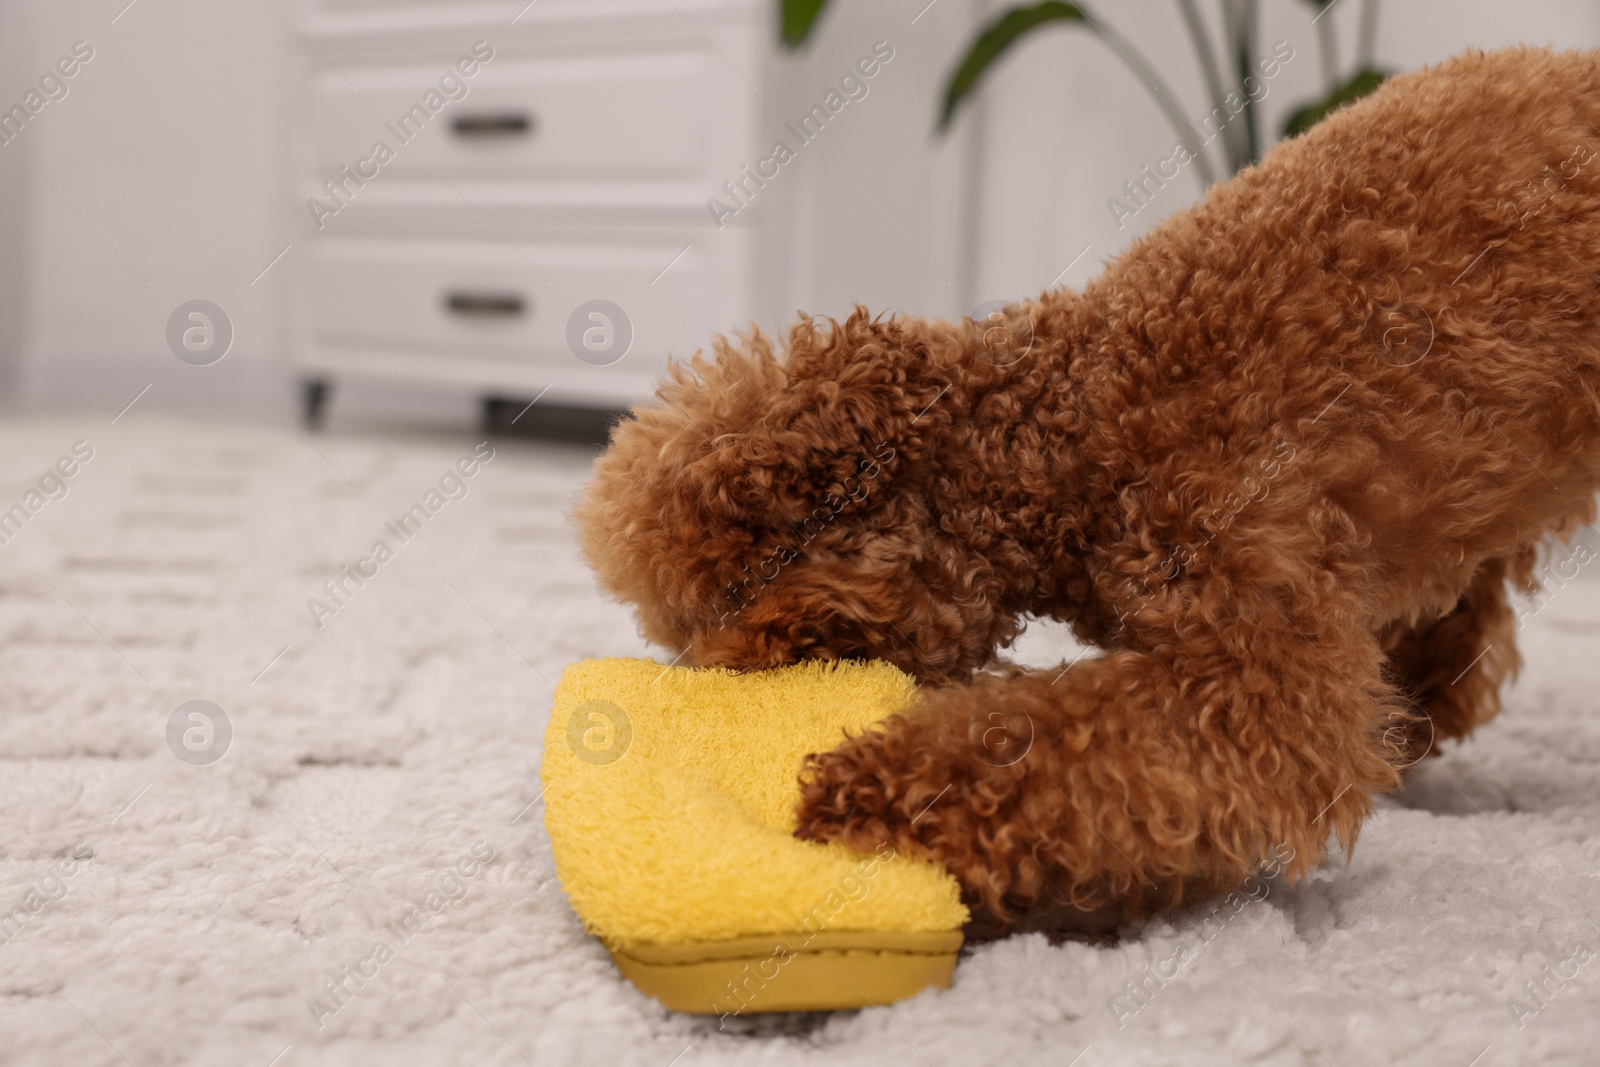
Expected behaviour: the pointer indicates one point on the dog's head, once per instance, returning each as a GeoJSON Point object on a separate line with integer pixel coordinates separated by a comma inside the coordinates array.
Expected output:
{"type": "Point", "coordinates": [773, 507]}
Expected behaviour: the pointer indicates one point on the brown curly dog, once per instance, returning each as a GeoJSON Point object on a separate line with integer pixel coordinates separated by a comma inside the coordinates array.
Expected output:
{"type": "Point", "coordinates": [1280, 462]}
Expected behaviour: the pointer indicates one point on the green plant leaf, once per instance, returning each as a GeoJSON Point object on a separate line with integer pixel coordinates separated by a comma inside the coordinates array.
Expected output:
{"type": "Point", "coordinates": [798, 18]}
{"type": "Point", "coordinates": [1362, 83]}
{"type": "Point", "coordinates": [993, 42]}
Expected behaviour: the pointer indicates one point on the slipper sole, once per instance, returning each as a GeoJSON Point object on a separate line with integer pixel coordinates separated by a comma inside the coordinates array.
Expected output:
{"type": "Point", "coordinates": [828, 971]}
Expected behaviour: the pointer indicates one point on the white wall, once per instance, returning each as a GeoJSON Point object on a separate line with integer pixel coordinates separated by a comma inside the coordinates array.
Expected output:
{"type": "Point", "coordinates": [873, 211]}
{"type": "Point", "coordinates": [163, 159]}
{"type": "Point", "coordinates": [1055, 132]}
{"type": "Point", "coordinates": [1068, 124]}
{"type": "Point", "coordinates": [169, 145]}
{"type": "Point", "coordinates": [15, 277]}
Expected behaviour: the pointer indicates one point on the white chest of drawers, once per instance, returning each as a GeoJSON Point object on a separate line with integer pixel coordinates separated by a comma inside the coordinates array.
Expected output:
{"type": "Point", "coordinates": [513, 200]}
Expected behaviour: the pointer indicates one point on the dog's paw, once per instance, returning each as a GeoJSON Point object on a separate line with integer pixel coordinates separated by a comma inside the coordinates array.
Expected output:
{"type": "Point", "coordinates": [854, 795]}
{"type": "Point", "coordinates": [885, 786]}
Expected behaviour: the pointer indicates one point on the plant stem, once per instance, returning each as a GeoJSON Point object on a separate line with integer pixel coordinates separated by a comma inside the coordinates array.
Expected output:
{"type": "Point", "coordinates": [1367, 39]}
{"type": "Point", "coordinates": [1213, 74]}
{"type": "Point", "coordinates": [1329, 46]}
{"type": "Point", "coordinates": [1249, 14]}
{"type": "Point", "coordinates": [1165, 98]}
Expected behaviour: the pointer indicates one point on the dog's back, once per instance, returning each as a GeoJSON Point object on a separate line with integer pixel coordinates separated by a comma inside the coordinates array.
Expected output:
{"type": "Point", "coordinates": [1411, 290]}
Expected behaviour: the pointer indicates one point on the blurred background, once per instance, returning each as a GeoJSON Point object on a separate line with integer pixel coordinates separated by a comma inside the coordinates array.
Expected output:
{"type": "Point", "coordinates": [577, 167]}
{"type": "Point", "coordinates": [278, 274]}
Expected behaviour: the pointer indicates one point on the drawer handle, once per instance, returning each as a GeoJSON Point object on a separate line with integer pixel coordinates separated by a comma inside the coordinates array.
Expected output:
{"type": "Point", "coordinates": [485, 305]}
{"type": "Point", "coordinates": [504, 124]}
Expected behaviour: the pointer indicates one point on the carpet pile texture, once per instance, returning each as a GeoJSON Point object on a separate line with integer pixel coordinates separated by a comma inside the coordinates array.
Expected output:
{"type": "Point", "coordinates": [363, 876]}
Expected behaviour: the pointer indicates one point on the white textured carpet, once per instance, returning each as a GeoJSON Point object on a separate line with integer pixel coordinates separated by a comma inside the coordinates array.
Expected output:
{"type": "Point", "coordinates": [379, 751]}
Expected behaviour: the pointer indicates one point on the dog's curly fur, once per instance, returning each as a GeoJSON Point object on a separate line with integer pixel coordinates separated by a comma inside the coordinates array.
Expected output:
{"type": "Point", "coordinates": [1280, 461]}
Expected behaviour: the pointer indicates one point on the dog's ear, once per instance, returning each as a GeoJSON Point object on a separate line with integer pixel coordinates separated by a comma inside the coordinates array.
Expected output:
{"type": "Point", "coordinates": [846, 409]}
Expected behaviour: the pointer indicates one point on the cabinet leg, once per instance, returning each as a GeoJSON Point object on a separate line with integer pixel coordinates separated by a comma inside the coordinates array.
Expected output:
{"type": "Point", "coordinates": [548, 420]}
{"type": "Point", "coordinates": [314, 397]}
{"type": "Point", "coordinates": [495, 416]}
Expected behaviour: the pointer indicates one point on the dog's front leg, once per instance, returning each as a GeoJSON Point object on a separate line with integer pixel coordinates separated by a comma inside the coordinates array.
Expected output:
{"type": "Point", "coordinates": [1130, 783]}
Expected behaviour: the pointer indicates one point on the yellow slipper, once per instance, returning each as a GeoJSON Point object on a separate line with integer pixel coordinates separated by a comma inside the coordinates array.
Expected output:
{"type": "Point", "coordinates": [669, 799]}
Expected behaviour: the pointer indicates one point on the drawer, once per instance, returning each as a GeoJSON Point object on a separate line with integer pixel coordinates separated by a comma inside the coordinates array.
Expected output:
{"type": "Point", "coordinates": [644, 112]}
{"type": "Point", "coordinates": [496, 14]}
{"type": "Point", "coordinates": [481, 300]}
{"type": "Point", "coordinates": [617, 389]}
